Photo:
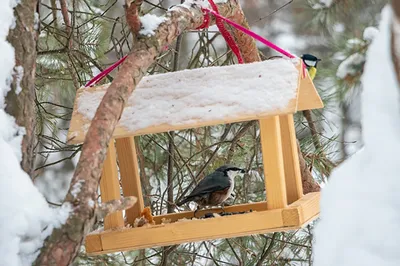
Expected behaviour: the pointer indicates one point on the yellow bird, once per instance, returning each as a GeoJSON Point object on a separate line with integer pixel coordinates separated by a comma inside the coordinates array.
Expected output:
{"type": "Point", "coordinates": [311, 62]}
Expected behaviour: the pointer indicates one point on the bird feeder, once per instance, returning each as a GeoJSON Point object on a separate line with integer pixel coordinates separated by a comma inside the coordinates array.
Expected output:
{"type": "Point", "coordinates": [270, 92]}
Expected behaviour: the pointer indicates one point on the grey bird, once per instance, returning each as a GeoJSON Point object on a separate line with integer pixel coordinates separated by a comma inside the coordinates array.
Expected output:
{"type": "Point", "coordinates": [215, 188]}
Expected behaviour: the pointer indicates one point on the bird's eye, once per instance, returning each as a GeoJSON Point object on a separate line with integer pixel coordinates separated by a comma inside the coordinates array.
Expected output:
{"type": "Point", "coordinates": [310, 63]}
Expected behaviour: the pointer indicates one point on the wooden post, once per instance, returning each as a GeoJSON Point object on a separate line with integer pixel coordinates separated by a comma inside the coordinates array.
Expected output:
{"type": "Point", "coordinates": [271, 146]}
{"type": "Point", "coordinates": [294, 187]}
{"type": "Point", "coordinates": [130, 178]}
{"type": "Point", "coordinates": [109, 187]}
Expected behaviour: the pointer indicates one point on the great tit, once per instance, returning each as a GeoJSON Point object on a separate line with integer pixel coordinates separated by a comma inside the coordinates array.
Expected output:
{"type": "Point", "coordinates": [311, 62]}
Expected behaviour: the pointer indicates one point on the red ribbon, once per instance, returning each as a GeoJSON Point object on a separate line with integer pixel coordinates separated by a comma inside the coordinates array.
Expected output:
{"type": "Point", "coordinates": [219, 21]}
{"type": "Point", "coordinates": [225, 33]}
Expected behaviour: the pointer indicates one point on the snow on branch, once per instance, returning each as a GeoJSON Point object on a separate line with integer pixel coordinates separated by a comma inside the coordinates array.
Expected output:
{"type": "Point", "coordinates": [350, 66]}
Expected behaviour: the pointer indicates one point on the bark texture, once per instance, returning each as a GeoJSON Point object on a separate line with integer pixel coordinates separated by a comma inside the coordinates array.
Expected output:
{"type": "Point", "coordinates": [62, 246]}
{"type": "Point", "coordinates": [22, 105]}
{"type": "Point", "coordinates": [395, 40]}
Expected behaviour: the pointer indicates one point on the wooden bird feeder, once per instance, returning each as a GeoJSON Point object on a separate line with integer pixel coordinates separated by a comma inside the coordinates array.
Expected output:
{"type": "Point", "coordinates": [279, 90]}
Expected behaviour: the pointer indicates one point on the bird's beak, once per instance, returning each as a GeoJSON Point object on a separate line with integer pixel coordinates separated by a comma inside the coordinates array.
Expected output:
{"type": "Point", "coordinates": [242, 171]}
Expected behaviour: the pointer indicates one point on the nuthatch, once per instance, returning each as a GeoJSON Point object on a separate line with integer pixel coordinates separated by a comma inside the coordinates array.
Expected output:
{"type": "Point", "coordinates": [215, 188]}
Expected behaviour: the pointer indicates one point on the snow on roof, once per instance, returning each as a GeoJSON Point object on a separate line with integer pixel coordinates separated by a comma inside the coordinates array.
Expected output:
{"type": "Point", "coordinates": [209, 95]}
{"type": "Point", "coordinates": [360, 206]}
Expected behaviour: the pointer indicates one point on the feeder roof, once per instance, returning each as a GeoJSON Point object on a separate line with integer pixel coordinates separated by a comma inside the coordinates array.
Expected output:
{"type": "Point", "coordinates": [203, 97]}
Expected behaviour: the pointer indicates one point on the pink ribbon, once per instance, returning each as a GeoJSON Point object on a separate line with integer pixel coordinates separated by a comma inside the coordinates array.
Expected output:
{"type": "Point", "coordinates": [256, 36]}
{"type": "Point", "coordinates": [252, 34]}
{"type": "Point", "coordinates": [105, 72]}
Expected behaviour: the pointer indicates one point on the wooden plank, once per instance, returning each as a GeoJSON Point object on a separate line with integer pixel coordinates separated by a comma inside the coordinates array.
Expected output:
{"type": "Point", "coordinates": [109, 187]}
{"type": "Point", "coordinates": [76, 132]}
{"type": "Point", "coordinates": [93, 243]}
{"type": "Point", "coordinates": [192, 231]}
{"type": "Point", "coordinates": [301, 211]}
{"type": "Point", "coordinates": [257, 206]}
{"type": "Point", "coordinates": [294, 186]}
{"type": "Point", "coordinates": [292, 216]}
{"type": "Point", "coordinates": [309, 205]}
{"type": "Point", "coordinates": [259, 222]}
{"type": "Point", "coordinates": [308, 97]}
{"type": "Point", "coordinates": [130, 178]}
{"type": "Point", "coordinates": [271, 145]}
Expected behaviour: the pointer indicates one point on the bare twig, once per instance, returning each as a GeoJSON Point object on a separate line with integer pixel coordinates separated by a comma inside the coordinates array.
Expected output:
{"type": "Point", "coordinates": [67, 22]}
{"type": "Point", "coordinates": [267, 251]}
{"type": "Point", "coordinates": [273, 12]}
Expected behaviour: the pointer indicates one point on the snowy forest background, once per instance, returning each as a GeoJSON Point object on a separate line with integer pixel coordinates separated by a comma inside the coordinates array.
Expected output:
{"type": "Point", "coordinates": [70, 52]}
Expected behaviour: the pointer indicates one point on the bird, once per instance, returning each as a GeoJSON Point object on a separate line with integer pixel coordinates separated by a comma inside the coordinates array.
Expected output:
{"type": "Point", "coordinates": [311, 62]}
{"type": "Point", "coordinates": [215, 188]}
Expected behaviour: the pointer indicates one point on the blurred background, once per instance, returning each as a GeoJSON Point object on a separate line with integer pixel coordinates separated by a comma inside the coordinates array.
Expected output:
{"type": "Point", "coordinates": [337, 31]}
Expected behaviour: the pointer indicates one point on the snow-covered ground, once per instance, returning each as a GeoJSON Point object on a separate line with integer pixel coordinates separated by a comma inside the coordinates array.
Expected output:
{"type": "Point", "coordinates": [360, 206]}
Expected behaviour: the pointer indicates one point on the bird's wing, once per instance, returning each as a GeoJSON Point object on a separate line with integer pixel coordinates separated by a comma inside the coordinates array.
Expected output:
{"type": "Point", "coordinates": [211, 183]}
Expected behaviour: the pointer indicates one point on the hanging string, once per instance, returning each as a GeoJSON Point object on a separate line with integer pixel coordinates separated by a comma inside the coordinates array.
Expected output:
{"type": "Point", "coordinates": [224, 32]}
{"type": "Point", "coordinates": [206, 21]}
{"type": "Point", "coordinates": [105, 72]}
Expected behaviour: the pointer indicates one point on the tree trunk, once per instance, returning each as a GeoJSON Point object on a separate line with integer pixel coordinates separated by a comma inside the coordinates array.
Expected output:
{"type": "Point", "coordinates": [20, 101]}
{"type": "Point", "coordinates": [396, 37]}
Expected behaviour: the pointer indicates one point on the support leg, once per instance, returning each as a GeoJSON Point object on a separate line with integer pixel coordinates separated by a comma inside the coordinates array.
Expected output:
{"type": "Point", "coordinates": [271, 145]}
{"type": "Point", "coordinates": [130, 178]}
{"type": "Point", "coordinates": [294, 187]}
{"type": "Point", "coordinates": [109, 188]}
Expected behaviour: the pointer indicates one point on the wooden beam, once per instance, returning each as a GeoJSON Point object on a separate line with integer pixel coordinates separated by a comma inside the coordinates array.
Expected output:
{"type": "Point", "coordinates": [93, 243]}
{"type": "Point", "coordinates": [294, 186]}
{"type": "Point", "coordinates": [130, 178]}
{"type": "Point", "coordinates": [258, 222]}
{"type": "Point", "coordinates": [191, 231]}
{"type": "Point", "coordinates": [109, 187]}
{"type": "Point", "coordinates": [271, 145]}
{"type": "Point", "coordinates": [257, 206]}
{"type": "Point", "coordinates": [76, 135]}
{"type": "Point", "coordinates": [308, 97]}
{"type": "Point", "coordinates": [303, 210]}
